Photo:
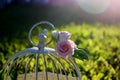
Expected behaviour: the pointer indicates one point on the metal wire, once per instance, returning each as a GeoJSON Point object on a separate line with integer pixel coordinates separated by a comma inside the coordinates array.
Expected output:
{"type": "Point", "coordinates": [37, 58]}
{"type": "Point", "coordinates": [55, 67]}
{"type": "Point", "coordinates": [77, 69]}
{"type": "Point", "coordinates": [56, 62]}
{"type": "Point", "coordinates": [27, 67]}
{"type": "Point", "coordinates": [57, 59]}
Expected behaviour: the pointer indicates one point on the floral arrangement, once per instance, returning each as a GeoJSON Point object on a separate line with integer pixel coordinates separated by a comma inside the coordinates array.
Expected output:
{"type": "Point", "coordinates": [64, 47]}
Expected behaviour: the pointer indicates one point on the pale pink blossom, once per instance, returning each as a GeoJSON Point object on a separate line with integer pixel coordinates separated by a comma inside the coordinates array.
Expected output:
{"type": "Point", "coordinates": [64, 35]}
{"type": "Point", "coordinates": [65, 48]}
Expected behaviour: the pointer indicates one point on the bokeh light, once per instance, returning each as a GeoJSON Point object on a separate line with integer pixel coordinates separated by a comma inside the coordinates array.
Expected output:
{"type": "Point", "coordinates": [94, 6]}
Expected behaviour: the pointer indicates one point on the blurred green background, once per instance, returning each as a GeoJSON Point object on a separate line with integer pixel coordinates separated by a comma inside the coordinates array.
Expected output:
{"type": "Point", "coordinates": [95, 29]}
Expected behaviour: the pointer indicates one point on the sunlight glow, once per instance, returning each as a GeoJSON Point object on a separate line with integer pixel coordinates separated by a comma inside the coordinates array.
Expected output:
{"type": "Point", "coordinates": [113, 12]}
{"type": "Point", "coordinates": [94, 6]}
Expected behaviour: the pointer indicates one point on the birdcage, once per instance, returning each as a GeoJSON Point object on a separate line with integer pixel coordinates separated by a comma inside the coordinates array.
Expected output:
{"type": "Point", "coordinates": [41, 62]}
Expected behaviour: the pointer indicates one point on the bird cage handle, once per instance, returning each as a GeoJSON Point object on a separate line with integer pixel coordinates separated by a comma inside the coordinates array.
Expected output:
{"type": "Point", "coordinates": [41, 36]}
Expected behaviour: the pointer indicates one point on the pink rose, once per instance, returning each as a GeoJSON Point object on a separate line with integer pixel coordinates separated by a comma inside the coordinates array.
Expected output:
{"type": "Point", "coordinates": [64, 35]}
{"type": "Point", "coordinates": [65, 48]}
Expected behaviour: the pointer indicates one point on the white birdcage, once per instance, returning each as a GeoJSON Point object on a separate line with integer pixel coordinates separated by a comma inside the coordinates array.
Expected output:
{"type": "Point", "coordinates": [48, 65]}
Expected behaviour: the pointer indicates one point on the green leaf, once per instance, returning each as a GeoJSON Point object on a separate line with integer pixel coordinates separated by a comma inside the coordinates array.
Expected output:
{"type": "Point", "coordinates": [14, 74]}
{"type": "Point", "coordinates": [81, 54]}
{"type": "Point", "coordinates": [1, 74]}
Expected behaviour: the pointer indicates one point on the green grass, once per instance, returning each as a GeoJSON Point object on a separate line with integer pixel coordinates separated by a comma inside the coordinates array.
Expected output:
{"type": "Point", "coordinates": [102, 42]}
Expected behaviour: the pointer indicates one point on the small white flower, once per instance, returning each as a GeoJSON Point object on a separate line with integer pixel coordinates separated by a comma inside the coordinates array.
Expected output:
{"type": "Point", "coordinates": [55, 34]}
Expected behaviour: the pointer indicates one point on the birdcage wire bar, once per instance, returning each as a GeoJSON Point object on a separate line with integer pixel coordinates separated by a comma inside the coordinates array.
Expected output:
{"type": "Point", "coordinates": [54, 59]}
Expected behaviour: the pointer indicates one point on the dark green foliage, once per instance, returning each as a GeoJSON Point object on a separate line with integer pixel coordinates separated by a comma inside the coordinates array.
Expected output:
{"type": "Point", "coordinates": [14, 74]}
{"type": "Point", "coordinates": [81, 54]}
{"type": "Point", "coordinates": [1, 74]}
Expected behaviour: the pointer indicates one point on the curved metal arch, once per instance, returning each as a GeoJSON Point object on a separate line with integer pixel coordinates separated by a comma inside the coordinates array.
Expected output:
{"type": "Point", "coordinates": [35, 25]}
